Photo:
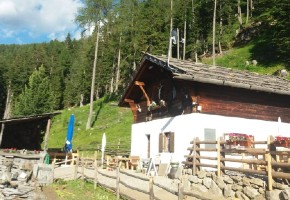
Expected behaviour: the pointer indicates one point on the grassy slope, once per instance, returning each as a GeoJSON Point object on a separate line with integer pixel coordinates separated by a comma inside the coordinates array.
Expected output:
{"type": "Point", "coordinates": [110, 119]}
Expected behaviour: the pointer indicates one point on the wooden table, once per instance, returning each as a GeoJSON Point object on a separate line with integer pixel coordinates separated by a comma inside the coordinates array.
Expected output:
{"type": "Point", "coordinates": [123, 160]}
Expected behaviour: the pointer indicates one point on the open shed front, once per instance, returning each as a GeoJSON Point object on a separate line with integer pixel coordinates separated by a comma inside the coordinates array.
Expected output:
{"type": "Point", "coordinates": [152, 139]}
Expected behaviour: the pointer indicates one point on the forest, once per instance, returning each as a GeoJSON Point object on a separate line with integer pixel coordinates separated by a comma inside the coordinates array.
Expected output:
{"type": "Point", "coordinates": [43, 77]}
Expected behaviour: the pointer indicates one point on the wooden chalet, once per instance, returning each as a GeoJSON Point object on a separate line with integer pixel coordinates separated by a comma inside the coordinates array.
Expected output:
{"type": "Point", "coordinates": [174, 101]}
{"type": "Point", "coordinates": [161, 89]}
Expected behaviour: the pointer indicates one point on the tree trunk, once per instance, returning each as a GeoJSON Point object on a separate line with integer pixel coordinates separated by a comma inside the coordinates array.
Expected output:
{"type": "Point", "coordinates": [248, 11]}
{"type": "Point", "coordinates": [184, 40]}
{"type": "Point", "coordinates": [213, 34]}
{"type": "Point", "coordinates": [118, 66]}
{"type": "Point", "coordinates": [89, 122]}
{"type": "Point", "coordinates": [7, 112]}
{"type": "Point", "coordinates": [240, 13]}
{"type": "Point", "coordinates": [170, 41]}
{"type": "Point", "coordinates": [82, 100]}
{"type": "Point", "coordinates": [221, 30]}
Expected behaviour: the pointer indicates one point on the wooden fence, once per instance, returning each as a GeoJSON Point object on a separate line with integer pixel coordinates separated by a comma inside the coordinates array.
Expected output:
{"type": "Point", "coordinates": [83, 163]}
{"type": "Point", "coordinates": [267, 166]}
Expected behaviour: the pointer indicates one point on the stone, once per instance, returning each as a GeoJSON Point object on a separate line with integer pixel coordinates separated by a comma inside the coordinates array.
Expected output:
{"type": "Point", "coordinates": [279, 186]}
{"type": "Point", "coordinates": [254, 62]}
{"type": "Point", "coordinates": [201, 174]}
{"type": "Point", "coordinates": [273, 195]}
{"type": "Point", "coordinates": [178, 173]}
{"type": "Point", "coordinates": [193, 179]}
{"type": "Point", "coordinates": [257, 182]}
{"type": "Point", "coordinates": [286, 193]}
{"type": "Point", "coordinates": [241, 196]}
{"type": "Point", "coordinates": [250, 192]}
{"type": "Point", "coordinates": [261, 190]}
{"type": "Point", "coordinates": [200, 188]}
{"type": "Point", "coordinates": [232, 179]}
{"type": "Point", "coordinates": [207, 182]}
{"type": "Point", "coordinates": [236, 187]}
{"type": "Point", "coordinates": [219, 181]}
{"type": "Point", "coordinates": [214, 189]}
{"type": "Point", "coordinates": [189, 171]}
{"type": "Point", "coordinates": [246, 181]}
{"type": "Point", "coordinates": [228, 192]}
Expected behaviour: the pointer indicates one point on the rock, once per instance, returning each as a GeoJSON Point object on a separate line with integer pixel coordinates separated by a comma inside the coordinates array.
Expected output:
{"type": "Point", "coordinates": [284, 73]}
{"type": "Point", "coordinates": [207, 182]}
{"type": "Point", "coordinates": [237, 178]}
{"type": "Point", "coordinates": [214, 189]}
{"type": "Point", "coordinates": [250, 192]}
{"type": "Point", "coordinates": [200, 188]}
{"type": "Point", "coordinates": [219, 181]}
{"type": "Point", "coordinates": [178, 173]}
{"type": "Point", "coordinates": [201, 174]}
{"type": "Point", "coordinates": [254, 62]}
{"type": "Point", "coordinates": [279, 186]}
{"type": "Point", "coordinates": [241, 196]}
{"type": "Point", "coordinates": [228, 192]}
{"type": "Point", "coordinates": [273, 195]}
{"type": "Point", "coordinates": [257, 182]}
{"type": "Point", "coordinates": [189, 171]}
{"type": "Point", "coordinates": [286, 193]}
{"type": "Point", "coordinates": [236, 187]}
{"type": "Point", "coordinates": [261, 191]}
{"type": "Point", "coordinates": [228, 180]}
{"type": "Point", "coordinates": [246, 181]}
{"type": "Point", "coordinates": [193, 179]}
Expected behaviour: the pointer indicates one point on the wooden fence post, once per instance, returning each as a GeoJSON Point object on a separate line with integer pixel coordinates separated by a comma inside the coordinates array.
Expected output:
{"type": "Point", "coordinates": [76, 167]}
{"type": "Point", "coordinates": [180, 189]}
{"type": "Point", "coordinates": [269, 166]}
{"type": "Point", "coordinates": [197, 153]}
{"type": "Point", "coordinates": [151, 192]}
{"type": "Point", "coordinates": [117, 183]}
{"type": "Point", "coordinates": [83, 172]}
{"type": "Point", "coordinates": [222, 155]}
{"type": "Point", "coordinates": [53, 167]}
{"type": "Point", "coordinates": [194, 157]}
{"type": "Point", "coordinates": [218, 157]}
{"type": "Point", "coordinates": [96, 170]}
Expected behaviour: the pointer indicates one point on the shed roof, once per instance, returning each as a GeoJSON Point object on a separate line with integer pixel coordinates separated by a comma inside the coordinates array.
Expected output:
{"type": "Point", "coordinates": [188, 70]}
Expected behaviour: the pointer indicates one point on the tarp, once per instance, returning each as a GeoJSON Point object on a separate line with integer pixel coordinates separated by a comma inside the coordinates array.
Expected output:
{"type": "Point", "coordinates": [70, 133]}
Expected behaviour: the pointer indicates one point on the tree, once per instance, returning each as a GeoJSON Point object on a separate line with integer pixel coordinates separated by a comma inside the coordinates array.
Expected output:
{"type": "Point", "coordinates": [36, 98]}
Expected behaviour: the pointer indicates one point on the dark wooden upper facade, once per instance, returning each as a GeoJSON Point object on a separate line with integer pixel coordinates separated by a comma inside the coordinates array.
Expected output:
{"type": "Point", "coordinates": [160, 89]}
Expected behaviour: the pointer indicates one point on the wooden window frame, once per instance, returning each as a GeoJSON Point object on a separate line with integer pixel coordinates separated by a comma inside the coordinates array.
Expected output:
{"type": "Point", "coordinates": [166, 142]}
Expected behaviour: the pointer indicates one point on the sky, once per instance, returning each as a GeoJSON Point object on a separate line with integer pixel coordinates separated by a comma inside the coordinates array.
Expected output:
{"type": "Point", "coordinates": [36, 21]}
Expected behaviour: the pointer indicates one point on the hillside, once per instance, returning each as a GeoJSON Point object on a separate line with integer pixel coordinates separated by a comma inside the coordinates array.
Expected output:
{"type": "Point", "coordinates": [109, 118]}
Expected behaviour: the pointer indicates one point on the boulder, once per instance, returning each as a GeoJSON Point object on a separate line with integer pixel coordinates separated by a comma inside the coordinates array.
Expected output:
{"type": "Point", "coordinates": [257, 182]}
{"type": "Point", "coordinates": [214, 189]}
{"type": "Point", "coordinates": [207, 182]}
{"type": "Point", "coordinates": [228, 192]}
{"type": "Point", "coordinates": [240, 195]}
{"type": "Point", "coordinates": [250, 192]}
{"type": "Point", "coordinates": [285, 194]}
{"type": "Point", "coordinates": [273, 195]}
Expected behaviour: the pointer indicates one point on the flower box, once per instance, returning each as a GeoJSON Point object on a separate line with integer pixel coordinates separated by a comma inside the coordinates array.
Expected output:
{"type": "Point", "coordinates": [239, 139]}
{"type": "Point", "coordinates": [282, 141]}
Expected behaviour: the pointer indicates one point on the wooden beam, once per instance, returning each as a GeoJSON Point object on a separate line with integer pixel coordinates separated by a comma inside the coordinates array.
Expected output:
{"type": "Point", "coordinates": [133, 108]}
{"type": "Point", "coordinates": [141, 84]}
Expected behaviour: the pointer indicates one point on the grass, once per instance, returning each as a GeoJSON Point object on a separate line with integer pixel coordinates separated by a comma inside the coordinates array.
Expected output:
{"type": "Point", "coordinates": [75, 190]}
{"type": "Point", "coordinates": [236, 58]}
{"type": "Point", "coordinates": [108, 118]}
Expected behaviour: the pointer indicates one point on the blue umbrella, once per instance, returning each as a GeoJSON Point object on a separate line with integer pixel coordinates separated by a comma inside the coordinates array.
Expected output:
{"type": "Point", "coordinates": [70, 132]}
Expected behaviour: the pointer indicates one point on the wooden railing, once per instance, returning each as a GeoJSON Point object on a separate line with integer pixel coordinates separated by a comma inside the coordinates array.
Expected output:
{"type": "Point", "coordinates": [267, 166]}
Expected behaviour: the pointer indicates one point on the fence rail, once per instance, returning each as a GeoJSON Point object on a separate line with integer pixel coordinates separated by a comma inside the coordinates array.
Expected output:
{"type": "Point", "coordinates": [269, 163]}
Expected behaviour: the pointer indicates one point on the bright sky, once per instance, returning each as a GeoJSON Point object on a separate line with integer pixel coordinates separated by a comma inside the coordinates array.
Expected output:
{"type": "Point", "coordinates": [34, 21]}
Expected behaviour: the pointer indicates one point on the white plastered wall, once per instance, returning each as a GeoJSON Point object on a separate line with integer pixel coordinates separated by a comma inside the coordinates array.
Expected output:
{"type": "Point", "coordinates": [187, 127]}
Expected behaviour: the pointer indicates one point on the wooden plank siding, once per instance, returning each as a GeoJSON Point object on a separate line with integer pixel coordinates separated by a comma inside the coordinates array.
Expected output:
{"type": "Point", "coordinates": [235, 102]}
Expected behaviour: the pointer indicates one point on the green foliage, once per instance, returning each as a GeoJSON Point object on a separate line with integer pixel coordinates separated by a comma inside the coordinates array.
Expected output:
{"type": "Point", "coordinates": [36, 98]}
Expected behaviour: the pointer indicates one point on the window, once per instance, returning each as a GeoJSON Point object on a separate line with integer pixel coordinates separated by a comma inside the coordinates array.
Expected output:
{"type": "Point", "coordinates": [166, 142]}
{"type": "Point", "coordinates": [209, 135]}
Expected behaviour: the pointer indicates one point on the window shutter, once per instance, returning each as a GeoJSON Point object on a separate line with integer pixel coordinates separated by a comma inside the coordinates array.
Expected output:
{"type": "Point", "coordinates": [160, 143]}
{"type": "Point", "coordinates": [171, 145]}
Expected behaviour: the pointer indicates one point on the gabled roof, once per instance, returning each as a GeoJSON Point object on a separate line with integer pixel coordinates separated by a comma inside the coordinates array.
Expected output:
{"type": "Point", "coordinates": [225, 76]}
{"type": "Point", "coordinates": [198, 72]}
